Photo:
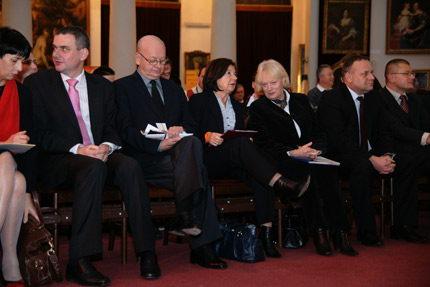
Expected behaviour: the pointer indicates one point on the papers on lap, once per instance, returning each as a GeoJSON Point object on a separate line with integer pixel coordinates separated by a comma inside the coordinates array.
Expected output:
{"type": "Point", "coordinates": [18, 148]}
{"type": "Point", "coordinates": [238, 133]}
{"type": "Point", "coordinates": [320, 160]}
{"type": "Point", "coordinates": [159, 132]}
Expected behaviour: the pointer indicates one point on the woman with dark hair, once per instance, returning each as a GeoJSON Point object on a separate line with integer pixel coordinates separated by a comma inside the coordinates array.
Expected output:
{"type": "Point", "coordinates": [17, 171]}
{"type": "Point", "coordinates": [215, 113]}
{"type": "Point", "coordinates": [290, 134]}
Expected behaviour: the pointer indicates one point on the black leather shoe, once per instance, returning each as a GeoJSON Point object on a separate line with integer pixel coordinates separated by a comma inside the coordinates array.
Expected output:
{"type": "Point", "coordinates": [407, 233]}
{"type": "Point", "coordinates": [149, 268]}
{"type": "Point", "coordinates": [369, 239]}
{"type": "Point", "coordinates": [267, 241]}
{"type": "Point", "coordinates": [185, 223]}
{"type": "Point", "coordinates": [341, 241]}
{"type": "Point", "coordinates": [84, 273]}
{"type": "Point", "coordinates": [205, 256]}
{"type": "Point", "coordinates": [288, 189]}
{"type": "Point", "coordinates": [322, 245]}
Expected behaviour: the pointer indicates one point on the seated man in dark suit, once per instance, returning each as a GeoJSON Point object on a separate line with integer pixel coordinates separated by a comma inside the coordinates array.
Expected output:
{"type": "Point", "coordinates": [409, 124]}
{"type": "Point", "coordinates": [74, 117]}
{"type": "Point", "coordinates": [350, 116]}
{"type": "Point", "coordinates": [325, 83]}
{"type": "Point", "coordinates": [174, 163]}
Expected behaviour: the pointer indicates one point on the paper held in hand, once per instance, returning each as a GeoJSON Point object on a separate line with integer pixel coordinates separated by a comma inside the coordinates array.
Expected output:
{"type": "Point", "coordinates": [319, 160]}
{"type": "Point", "coordinates": [159, 132]}
{"type": "Point", "coordinates": [18, 148]}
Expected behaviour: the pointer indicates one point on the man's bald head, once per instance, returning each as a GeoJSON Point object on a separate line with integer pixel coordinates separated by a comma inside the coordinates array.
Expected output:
{"type": "Point", "coordinates": [150, 49]}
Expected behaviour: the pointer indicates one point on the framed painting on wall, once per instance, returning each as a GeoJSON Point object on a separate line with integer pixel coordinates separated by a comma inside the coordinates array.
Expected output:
{"type": "Point", "coordinates": [422, 80]}
{"type": "Point", "coordinates": [193, 62]}
{"type": "Point", "coordinates": [346, 27]}
{"type": "Point", "coordinates": [50, 15]}
{"type": "Point", "coordinates": [408, 27]}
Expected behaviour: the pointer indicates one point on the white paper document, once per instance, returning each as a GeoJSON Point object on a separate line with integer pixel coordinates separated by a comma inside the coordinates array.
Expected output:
{"type": "Point", "coordinates": [159, 132]}
{"type": "Point", "coordinates": [18, 148]}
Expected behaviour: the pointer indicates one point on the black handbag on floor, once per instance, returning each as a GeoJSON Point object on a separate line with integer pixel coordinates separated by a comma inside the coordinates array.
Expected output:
{"type": "Point", "coordinates": [294, 229]}
{"type": "Point", "coordinates": [239, 242]}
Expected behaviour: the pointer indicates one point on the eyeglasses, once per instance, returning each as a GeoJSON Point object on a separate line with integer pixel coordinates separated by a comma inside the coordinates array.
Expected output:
{"type": "Point", "coordinates": [154, 62]}
{"type": "Point", "coordinates": [406, 73]}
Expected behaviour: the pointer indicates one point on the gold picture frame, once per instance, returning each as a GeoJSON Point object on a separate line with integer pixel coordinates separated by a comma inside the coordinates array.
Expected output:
{"type": "Point", "coordinates": [193, 62]}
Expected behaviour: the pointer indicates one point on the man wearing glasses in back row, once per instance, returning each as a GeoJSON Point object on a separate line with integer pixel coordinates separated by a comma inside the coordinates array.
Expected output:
{"type": "Point", "coordinates": [174, 163]}
{"type": "Point", "coordinates": [409, 126]}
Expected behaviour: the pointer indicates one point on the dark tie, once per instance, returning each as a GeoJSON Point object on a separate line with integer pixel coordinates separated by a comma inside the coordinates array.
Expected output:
{"type": "Point", "coordinates": [157, 98]}
{"type": "Point", "coordinates": [363, 133]}
{"type": "Point", "coordinates": [404, 103]}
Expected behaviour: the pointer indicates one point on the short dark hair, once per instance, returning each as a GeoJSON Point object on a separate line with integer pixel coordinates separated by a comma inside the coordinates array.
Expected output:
{"type": "Point", "coordinates": [215, 70]}
{"type": "Point", "coordinates": [104, 71]}
{"type": "Point", "coordinates": [349, 60]}
{"type": "Point", "coordinates": [394, 62]}
{"type": "Point", "coordinates": [168, 62]}
{"type": "Point", "coordinates": [200, 70]}
{"type": "Point", "coordinates": [81, 37]}
{"type": "Point", "coordinates": [319, 70]}
{"type": "Point", "coordinates": [13, 42]}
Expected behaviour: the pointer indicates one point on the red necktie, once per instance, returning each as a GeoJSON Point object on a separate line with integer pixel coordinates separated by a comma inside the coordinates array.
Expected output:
{"type": "Point", "coordinates": [363, 133]}
{"type": "Point", "coordinates": [404, 103]}
{"type": "Point", "coordinates": [74, 98]}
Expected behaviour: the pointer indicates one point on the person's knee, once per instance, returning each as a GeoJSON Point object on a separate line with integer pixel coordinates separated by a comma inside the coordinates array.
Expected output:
{"type": "Point", "coordinates": [7, 161]}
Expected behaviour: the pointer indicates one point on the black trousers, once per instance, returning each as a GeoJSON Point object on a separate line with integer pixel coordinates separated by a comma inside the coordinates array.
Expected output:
{"type": "Point", "coordinates": [324, 185]}
{"type": "Point", "coordinates": [240, 158]}
{"type": "Point", "coordinates": [88, 176]}
{"type": "Point", "coordinates": [182, 171]}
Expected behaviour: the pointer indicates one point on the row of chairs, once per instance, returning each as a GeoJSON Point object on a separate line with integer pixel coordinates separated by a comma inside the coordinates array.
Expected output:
{"type": "Point", "coordinates": [231, 196]}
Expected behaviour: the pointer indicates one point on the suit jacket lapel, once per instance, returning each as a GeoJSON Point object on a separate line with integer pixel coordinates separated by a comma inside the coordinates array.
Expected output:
{"type": "Point", "coordinates": [94, 106]}
{"type": "Point", "coordinates": [145, 96]}
{"type": "Point", "coordinates": [62, 100]}
{"type": "Point", "coordinates": [216, 112]}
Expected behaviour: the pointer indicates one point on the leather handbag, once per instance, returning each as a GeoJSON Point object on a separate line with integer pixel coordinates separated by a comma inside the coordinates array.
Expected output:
{"type": "Point", "coordinates": [37, 260]}
{"type": "Point", "coordinates": [294, 231]}
{"type": "Point", "coordinates": [239, 242]}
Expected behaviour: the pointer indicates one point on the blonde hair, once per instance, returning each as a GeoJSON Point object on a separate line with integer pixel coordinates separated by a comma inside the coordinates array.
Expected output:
{"type": "Point", "coordinates": [273, 69]}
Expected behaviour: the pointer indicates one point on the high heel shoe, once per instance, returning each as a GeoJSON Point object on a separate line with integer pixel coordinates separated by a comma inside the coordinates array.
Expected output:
{"type": "Point", "coordinates": [322, 245]}
{"type": "Point", "coordinates": [289, 189]}
{"type": "Point", "coordinates": [341, 241]}
{"type": "Point", "coordinates": [267, 240]}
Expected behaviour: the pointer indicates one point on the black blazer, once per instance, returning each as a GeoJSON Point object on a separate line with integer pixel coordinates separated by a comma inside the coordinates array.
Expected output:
{"type": "Point", "coordinates": [207, 114]}
{"type": "Point", "coordinates": [406, 129]}
{"type": "Point", "coordinates": [56, 123]}
{"type": "Point", "coordinates": [27, 162]}
{"type": "Point", "coordinates": [136, 109]}
{"type": "Point", "coordinates": [338, 117]}
{"type": "Point", "coordinates": [276, 131]}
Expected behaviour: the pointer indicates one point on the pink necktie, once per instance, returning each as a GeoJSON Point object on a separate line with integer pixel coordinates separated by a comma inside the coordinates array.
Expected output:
{"type": "Point", "coordinates": [74, 98]}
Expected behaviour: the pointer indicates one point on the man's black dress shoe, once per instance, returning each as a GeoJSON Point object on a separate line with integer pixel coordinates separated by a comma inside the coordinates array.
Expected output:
{"type": "Point", "coordinates": [341, 241]}
{"type": "Point", "coordinates": [266, 238]}
{"type": "Point", "coordinates": [149, 268]}
{"type": "Point", "coordinates": [289, 189]}
{"type": "Point", "coordinates": [407, 233]}
{"type": "Point", "coordinates": [322, 245]}
{"type": "Point", "coordinates": [185, 223]}
{"type": "Point", "coordinates": [205, 256]}
{"type": "Point", "coordinates": [84, 273]}
{"type": "Point", "coordinates": [369, 239]}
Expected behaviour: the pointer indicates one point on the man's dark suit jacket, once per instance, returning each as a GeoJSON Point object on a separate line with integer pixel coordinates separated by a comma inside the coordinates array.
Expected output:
{"type": "Point", "coordinates": [137, 110]}
{"type": "Point", "coordinates": [406, 129]}
{"type": "Point", "coordinates": [57, 127]}
{"type": "Point", "coordinates": [206, 112]}
{"type": "Point", "coordinates": [26, 162]}
{"type": "Point", "coordinates": [276, 130]}
{"type": "Point", "coordinates": [338, 117]}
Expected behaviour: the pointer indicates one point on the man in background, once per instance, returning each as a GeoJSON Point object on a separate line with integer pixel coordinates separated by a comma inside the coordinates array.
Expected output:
{"type": "Point", "coordinates": [199, 88]}
{"type": "Point", "coordinates": [325, 83]}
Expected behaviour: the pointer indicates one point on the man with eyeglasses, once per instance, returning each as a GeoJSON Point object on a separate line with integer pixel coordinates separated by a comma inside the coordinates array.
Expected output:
{"type": "Point", "coordinates": [350, 116]}
{"type": "Point", "coordinates": [174, 163]}
{"type": "Point", "coordinates": [409, 126]}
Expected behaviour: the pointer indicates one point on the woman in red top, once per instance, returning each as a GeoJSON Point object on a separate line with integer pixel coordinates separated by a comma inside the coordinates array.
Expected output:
{"type": "Point", "coordinates": [17, 171]}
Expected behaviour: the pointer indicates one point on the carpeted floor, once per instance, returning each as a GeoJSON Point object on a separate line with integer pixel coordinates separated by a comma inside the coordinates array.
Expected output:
{"type": "Point", "coordinates": [396, 263]}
